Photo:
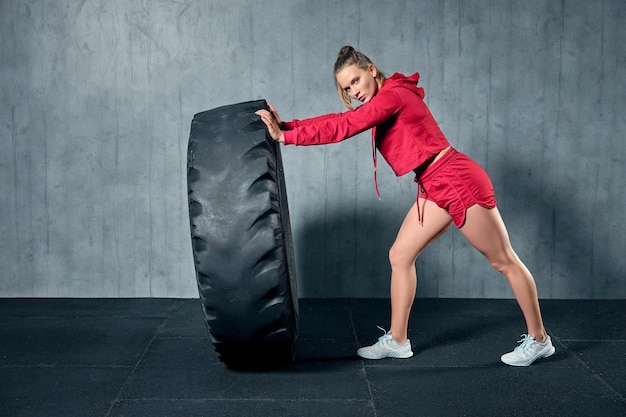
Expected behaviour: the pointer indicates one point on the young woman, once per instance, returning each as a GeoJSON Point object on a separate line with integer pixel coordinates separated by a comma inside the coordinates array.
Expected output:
{"type": "Point", "coordinates": [451, 188]}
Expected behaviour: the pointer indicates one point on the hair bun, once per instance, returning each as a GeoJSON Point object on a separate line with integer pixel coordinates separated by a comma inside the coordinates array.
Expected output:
{"type": "Point", "coordinates": [346, 50]}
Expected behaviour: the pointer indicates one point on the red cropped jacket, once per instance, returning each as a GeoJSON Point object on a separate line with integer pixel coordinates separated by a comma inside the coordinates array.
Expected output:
{"type": "Point", "coordinates": [403, 129]}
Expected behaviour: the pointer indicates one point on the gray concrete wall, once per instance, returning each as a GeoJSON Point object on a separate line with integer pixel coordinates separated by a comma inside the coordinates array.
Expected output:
{"type": "Point", "coordinates": [96, 99]}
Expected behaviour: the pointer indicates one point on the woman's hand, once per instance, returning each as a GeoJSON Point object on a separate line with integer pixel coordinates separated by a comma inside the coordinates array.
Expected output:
{"type": "Point", "coordinates": [273, 123]}
{"type": "Point", "coordinates": [276, 116]}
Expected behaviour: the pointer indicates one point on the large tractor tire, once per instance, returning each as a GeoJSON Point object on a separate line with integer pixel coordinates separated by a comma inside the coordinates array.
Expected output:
{"type": "Point", "coordinates": [241, 237]}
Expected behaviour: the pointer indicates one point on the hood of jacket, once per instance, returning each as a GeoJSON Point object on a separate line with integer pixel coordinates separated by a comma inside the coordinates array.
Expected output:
{"type": "Point", "coordinates": [401, 80]}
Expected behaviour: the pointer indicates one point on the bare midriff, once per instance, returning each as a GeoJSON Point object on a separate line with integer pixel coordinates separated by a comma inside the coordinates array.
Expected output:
{"type": "Point", "coordinates": [431, 161]}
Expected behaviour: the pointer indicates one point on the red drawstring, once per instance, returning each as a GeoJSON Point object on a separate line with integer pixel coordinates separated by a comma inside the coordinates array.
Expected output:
{"type": "Point", "coordinates": [375, 165]}
{"type": "Point", "coordinates": [420, 213]}
{"type": "Point", "coordinates": [420, 191]}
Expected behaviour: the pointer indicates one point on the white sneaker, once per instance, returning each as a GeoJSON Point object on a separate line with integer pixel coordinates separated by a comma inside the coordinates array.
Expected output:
{"type": "Point", "coordinates": [386, 347]}
{"type": "Point", "coordinates": [528, 351]}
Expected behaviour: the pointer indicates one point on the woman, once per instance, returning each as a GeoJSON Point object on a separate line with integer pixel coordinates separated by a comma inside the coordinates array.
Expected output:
{"type": "Point", "coordinates": [451, 188]}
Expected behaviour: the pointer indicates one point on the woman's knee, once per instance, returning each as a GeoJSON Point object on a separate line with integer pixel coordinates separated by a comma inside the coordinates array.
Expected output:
{"type": "Point", "coordinates": [400, 257]}
{"type": "Point", "coordinates": [506, 263]}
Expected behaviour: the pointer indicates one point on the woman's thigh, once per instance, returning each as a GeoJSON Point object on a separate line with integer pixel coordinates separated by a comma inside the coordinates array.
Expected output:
{"type": "Point", "coordinates": [485, 230]}
{"type": "Point", "coordinates": [414, 237]}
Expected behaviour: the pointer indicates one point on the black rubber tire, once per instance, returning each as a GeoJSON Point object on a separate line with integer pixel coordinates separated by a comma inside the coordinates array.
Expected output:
{"type": "Point", "coordinates": [241, 237]}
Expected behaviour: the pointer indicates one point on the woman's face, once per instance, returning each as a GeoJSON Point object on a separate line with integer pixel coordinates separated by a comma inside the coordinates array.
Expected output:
{"type": "Point", "coordinates": [358, 83]}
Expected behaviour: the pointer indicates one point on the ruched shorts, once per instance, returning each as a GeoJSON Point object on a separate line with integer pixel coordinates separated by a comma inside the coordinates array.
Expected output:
{"type": "Point", "coordinates": [455, 183]}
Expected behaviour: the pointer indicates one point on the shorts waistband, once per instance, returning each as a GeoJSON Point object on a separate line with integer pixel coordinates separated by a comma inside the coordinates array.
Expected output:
{"type": "Point", "coordinates": [447, 157]}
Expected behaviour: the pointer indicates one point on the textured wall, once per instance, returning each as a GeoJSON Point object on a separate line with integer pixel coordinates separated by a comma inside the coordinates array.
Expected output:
{"type": "Point", "coordinates": [97, 99]}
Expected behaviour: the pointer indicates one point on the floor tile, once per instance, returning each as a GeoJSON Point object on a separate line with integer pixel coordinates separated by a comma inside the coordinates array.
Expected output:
{"type": "Point", "coordinates": [85, 307]}
{"type": "Point", "coordinates": [184, 319]}
{"type": "Point", "coordinates": [586, 319]}
{"type": "Point", "coordinates": [154, 357]}
{"type": "Point", "coordinates": [188, 369]}
{"type": "Point", "coordinates": [498, 391]}
{"type": "Point", "coordinates": [74, 341]}
{"type": "Point", "coordinates": [324, 320]}
{"type": "Point", "coordinates": [607, 360]}
{"type": "Point", "coordinates": [59, 390]}
{"type": "Point", "coordinates": [240, 408]}
{"type": "Point", "coordinates": [326, 350]}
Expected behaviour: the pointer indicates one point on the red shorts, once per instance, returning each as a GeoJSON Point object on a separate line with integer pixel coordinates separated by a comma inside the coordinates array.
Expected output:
{"type": "Point", "coordinates": [455, 183]}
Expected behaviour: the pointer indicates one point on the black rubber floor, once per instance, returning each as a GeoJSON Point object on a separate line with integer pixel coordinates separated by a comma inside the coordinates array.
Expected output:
{"type": "Point", "coordinates": [153, 357]}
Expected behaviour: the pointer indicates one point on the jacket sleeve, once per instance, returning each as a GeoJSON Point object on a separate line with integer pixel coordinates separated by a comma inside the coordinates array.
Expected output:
{"type": "Point", "coordinates": [298, 123]}
{"type": "Point", "coordinates": [333, 128]}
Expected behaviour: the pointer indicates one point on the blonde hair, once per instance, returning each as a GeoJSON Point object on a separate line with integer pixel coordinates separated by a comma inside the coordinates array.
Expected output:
{"type": "Point", "coordinates": [350, 56]}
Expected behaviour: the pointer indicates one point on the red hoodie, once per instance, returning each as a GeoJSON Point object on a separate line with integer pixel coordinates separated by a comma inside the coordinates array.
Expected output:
{"type": "Point", "coordinates": [403, 129]}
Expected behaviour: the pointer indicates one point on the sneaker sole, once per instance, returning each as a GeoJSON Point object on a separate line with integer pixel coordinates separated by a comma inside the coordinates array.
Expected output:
{"type": "Point", "coordinates": [541, 355]}
{"type": "Point", "coordinates": [395, 355]}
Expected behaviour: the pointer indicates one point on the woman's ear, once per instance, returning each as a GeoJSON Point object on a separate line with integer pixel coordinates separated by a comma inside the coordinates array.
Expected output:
{"type": "Point", "coordinates": [373, 70]}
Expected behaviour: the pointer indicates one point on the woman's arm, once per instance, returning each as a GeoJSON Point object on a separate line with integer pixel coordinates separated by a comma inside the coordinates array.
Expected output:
{"type": "Point", "coordinates": [336, 127]}
{"type": "Point", "coordinates": [303, 122]}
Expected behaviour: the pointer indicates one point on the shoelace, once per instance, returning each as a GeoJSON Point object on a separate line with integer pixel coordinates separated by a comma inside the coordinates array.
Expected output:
{"type": "Point", "coordinates": [526, 340]}
{"type": "Point", "coordinates": [385, 337]}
